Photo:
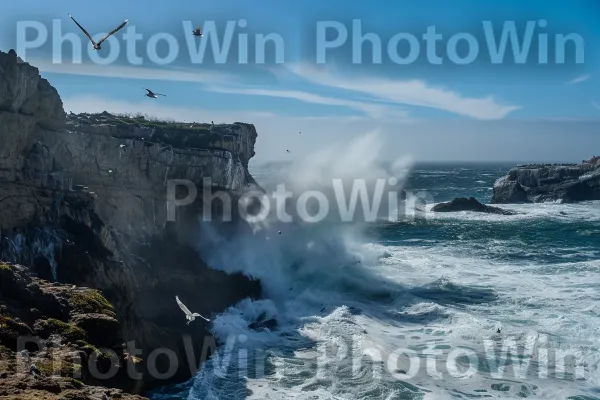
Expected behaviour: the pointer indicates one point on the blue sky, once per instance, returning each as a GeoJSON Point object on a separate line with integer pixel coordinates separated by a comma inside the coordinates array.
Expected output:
{"type": "Point", "coordinates": [477, 112]}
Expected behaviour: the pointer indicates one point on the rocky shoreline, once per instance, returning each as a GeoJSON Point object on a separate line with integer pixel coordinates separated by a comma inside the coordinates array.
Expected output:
{"type": "Point", "coordinates": [84, 207]}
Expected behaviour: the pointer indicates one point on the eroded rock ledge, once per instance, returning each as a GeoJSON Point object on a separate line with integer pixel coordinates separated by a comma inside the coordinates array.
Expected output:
{"type": "Point", "coordinates": [83, 202]}
{"type": "Point", "coordinates": [550, 182]}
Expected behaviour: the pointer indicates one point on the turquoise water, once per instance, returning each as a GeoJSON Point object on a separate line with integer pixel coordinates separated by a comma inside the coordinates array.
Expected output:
{"type": "Point", "coordinates": [454, 296]}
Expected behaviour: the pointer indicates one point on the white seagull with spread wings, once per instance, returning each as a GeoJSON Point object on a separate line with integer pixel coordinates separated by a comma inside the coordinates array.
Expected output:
{"type": "Point", "coordinates": [98, 45]}
{"type": "Point", "coordinates": [188, 314]}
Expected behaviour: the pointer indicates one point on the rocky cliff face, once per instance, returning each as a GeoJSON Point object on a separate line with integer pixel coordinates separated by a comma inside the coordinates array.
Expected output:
{"type": "Point", "coordinates": [83, 201]}
{"type": "Point", "coordinates": [539, 183]}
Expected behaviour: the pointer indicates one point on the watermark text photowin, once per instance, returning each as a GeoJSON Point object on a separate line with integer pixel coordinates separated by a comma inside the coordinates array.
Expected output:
{"type": "Point", "coordinates": [355, 200]}
{"type": "Point", "coordinates": [508, 42]}
{"type": "Point", "coordinates": [344, 357]}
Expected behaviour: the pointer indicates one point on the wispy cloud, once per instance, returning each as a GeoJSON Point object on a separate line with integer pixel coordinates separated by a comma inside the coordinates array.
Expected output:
{"type": "Point", "coordinates": [375, 91]}
{"type": "Point", "coordinates": [408, 92]}
{"type": "Point", "coordinates": [131, 72]}
{"type": "Point", "coordinates": [596, 105]}
{"type": "Point", "coordinates": [579, 79]}
{"type": "Point", "coordinates": [370, 109]}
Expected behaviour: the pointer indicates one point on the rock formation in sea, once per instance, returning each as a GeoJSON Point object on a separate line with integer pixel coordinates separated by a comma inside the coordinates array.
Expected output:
{"type": "Point", "coordinates": [469, 204]}
{"type": "Point", "coordinates": [567, 183]}
{"type": "Point", "coordinates": [83, 201]}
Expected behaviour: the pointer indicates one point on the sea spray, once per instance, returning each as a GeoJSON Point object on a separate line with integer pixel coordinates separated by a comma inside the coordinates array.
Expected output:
{"type": "Point", "coordinates": [306, 269]}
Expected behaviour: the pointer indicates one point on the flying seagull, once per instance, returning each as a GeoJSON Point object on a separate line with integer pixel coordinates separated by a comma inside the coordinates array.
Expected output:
{"type": "Point", "coordinates": [98, 45]}
{"type": "Point", "coordinates": [152, 94]}
{"type": "Point", "coordinates": [197, 31]}
{"type": "Point", "coordinates": [188, 314]}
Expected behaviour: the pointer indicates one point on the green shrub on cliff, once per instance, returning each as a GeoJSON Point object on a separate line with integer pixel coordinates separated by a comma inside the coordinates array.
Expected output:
{"type": "Point", "coordinates": [90, 349]}
{"type": "Point", "coordinates": [77, 384]}
{"type": "Point", "coordinates": [91, 301]}
{"type": "Point", "coordinates": [6, 267]}
{"type": "Point", "coordinates": [70, 332]}
{"type": "Point", "coordinates": [62, 368]}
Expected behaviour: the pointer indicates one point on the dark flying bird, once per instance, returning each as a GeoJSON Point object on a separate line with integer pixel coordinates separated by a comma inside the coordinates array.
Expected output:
{"type": "Point", "coordinates": [152, 94]}
{"type": "Point", "coordinates": [197, 31]}
{"type": "Point", "coordinates": [97, 45]}
{"type": "Point", "coordinates": [288, 151]}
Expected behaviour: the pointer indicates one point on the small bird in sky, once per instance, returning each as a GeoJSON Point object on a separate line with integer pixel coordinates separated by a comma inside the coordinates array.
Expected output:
{"type": "Point", "coordinates": [197, 31]}
{"type": "Point", "coordinates": [152, 94]}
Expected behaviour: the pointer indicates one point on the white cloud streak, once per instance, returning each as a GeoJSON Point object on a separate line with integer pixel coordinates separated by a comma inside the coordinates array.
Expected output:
{"type": "Point", "coordinates": [409, 92]}
{"type": "Point", "coordinates": [370, 109]}
{"type": "Point", "coordinates": [579, 79]}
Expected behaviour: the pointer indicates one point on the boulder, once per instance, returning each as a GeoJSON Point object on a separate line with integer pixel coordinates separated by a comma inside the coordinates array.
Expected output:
{"type": "Point", "coordinates": [469, 204]}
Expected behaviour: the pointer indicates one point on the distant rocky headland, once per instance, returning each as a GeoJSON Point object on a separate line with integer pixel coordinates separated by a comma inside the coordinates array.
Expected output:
{"type": "Point", "coordinates": [83, 210]}
{"type": "Point", "coordinates": [566, 183]}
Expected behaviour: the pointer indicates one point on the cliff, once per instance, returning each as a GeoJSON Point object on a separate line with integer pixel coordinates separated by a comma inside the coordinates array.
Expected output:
{"type": "Point", "coordinates": [550, 182]}
{"type": "Point", "coordinates": [83, 202]}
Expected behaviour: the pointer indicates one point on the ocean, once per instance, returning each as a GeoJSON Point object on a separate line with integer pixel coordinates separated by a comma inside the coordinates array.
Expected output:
{"type": "Point", "coordinates": [446, 306]}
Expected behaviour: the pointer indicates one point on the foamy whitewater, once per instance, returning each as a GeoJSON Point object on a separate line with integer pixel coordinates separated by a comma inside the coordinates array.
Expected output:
{"type": "Point", "coordinates": [459, 305]}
